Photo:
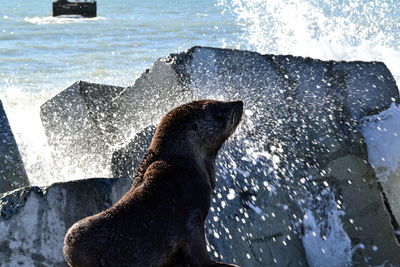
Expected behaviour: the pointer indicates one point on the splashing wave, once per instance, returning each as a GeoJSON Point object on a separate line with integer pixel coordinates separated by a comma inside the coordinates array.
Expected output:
{"type": "Point", "coordinates": [349, 30]}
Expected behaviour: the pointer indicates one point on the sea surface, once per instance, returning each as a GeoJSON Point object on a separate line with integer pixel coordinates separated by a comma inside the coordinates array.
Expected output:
{"type": "Point", "coordinates": [39, 52]}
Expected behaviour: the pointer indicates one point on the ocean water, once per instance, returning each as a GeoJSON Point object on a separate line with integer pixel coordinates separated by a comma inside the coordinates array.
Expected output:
{"type": "Point", "coordinates": [40, 55]}
{"type": "Point", "coordinates": [41, 52]}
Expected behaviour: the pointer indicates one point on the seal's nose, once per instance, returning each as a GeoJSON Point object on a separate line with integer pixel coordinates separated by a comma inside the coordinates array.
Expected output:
{"type": "Point", "coordinates": [238, 105]}
{"type": "Point", "coordinates": [237, 110]}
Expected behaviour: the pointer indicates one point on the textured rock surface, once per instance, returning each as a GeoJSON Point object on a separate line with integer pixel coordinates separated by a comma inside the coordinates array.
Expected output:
{"type": "Point", "coordinates": [12, 171]}
{"type": "Point", "coordinates": [362, 202]}
{"type": "Point", "coordinates": [156, 91]}
{"type": "Point", "coordinates": [34, 220]}
{"type": "Point", "coordinates": [78, 126]}
{"type": "Point", "coordinates": [300, 144]}
{"type": "Point", "coordinates": [85, 122]}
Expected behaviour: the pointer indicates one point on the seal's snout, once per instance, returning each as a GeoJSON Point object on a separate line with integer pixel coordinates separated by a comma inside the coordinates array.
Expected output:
{"type": "Point", "coordinates": [237, 109]}
{"type": "Point", "coordinates": [238, 106]}
{"type": "Point", "coordinates": [236, 112]}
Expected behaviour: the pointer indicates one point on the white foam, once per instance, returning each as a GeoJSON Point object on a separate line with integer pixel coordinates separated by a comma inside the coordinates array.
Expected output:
{"type": "Point", "coordinates": [382, 135]}
{"type": "Point", "coordinates": [351, 30]}
{"type": "Point", "coordinates": [331, 249]}
{"type": "Point", "coordinates": [66, 19]}
{"type": "Point", "coordinates": [23, 112]}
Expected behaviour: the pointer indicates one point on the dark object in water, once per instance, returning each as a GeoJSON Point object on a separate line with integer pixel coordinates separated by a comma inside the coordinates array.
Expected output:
{"type": "Point", "coordinates": [84, 9]}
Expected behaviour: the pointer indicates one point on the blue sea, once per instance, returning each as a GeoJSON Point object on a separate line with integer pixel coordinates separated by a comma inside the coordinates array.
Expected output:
{"type": "Point", "coordinates": [40, 55]}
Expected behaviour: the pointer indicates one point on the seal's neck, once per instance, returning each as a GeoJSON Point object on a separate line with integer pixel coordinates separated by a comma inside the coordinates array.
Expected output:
{"type": "Point", "coordinates": [209, 163]}
{"type": "Point", "coordinates": [148, 159]}
{"type": "Point", "coordinates": [179, 150]}
{"type": "Point", "coordinates": [205, 163]}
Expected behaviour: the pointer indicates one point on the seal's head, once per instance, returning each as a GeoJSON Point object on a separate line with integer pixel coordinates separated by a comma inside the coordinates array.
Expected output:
{"type": "Point", "coordinates": [198, 127]}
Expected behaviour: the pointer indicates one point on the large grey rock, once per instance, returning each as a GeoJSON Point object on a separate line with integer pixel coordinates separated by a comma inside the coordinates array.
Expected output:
{"type": "Point", "coordinates": [78, 127]}
{"type": "Point", "coordinates": [284, 195]}
{"type": "Point", "coordinates": [34, 220]}
{"type": "Point", "coordinates": [12, 171]}
{"type": "Point", "coordinates": [292, 156]}
{"type": "Point", "coordinates": [310, 110]}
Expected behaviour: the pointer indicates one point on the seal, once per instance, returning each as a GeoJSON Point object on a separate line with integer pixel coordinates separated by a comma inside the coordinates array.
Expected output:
{"type": "Point", "coordinates": [160, 220]}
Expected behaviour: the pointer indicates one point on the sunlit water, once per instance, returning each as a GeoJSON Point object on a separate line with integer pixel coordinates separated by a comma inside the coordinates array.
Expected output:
{"type": "Point", "coordinates": [40, 55]}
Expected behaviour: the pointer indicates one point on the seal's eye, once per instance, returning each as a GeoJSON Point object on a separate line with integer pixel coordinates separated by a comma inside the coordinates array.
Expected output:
{"type": "Point", "coordinates": [194, 126]}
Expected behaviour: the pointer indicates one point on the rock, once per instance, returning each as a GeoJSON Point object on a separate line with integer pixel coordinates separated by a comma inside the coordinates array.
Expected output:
{"type": "Point", "coordinates": [363, 87]}
{"type": "Point", "coordinates": [251, 219]}
{"type": "Point", "coordinates": [382, 135]}
{"type": "Point", "coordinates": [34, 220]}
{"type": "Point", "coordinates": [85, 122]}
{"type": "Point", "coordinates": [304, 119]}
{"type": "Point", "coordinates": [12, 171]}
{"type": "Point", "coordinates": [156, 91]}
{"type": "Point", "coordinates": [78, 126]}
{"type": "Point", "coordinates": [364, 212]}
{"type": "Point", "coordinates": [127, 159]}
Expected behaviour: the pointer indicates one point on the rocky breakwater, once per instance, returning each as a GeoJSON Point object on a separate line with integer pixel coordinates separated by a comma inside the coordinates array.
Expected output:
{"type": "Point", "coordinates": [293, 186]}
{"type": "Point", "coordinates": [12, 171]}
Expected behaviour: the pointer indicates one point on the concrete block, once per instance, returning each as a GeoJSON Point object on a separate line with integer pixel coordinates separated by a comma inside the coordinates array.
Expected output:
{"type": "Point", "coordinates": [12, 171]}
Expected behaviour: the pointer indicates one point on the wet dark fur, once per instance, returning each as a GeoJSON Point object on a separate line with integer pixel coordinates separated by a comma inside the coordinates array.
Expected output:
{"type": "Point", "coordinates": [160, 221]}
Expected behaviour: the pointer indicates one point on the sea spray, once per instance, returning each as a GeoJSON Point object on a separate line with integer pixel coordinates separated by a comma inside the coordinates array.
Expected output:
{"type": "Point", "coordinates": [59, 54]}
{"type": "Point", "coordinates": [332, 249]}
{"type": "Point", "coordinates": [29, 134]}
{"type": "Point", "coordinates": [260, 181]}
{"type": "Point", "coordinates": [325, 241]}
{"type": "Point", "coordinates": [328, 30]}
